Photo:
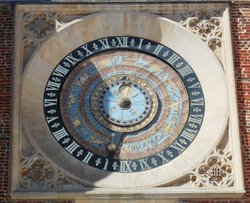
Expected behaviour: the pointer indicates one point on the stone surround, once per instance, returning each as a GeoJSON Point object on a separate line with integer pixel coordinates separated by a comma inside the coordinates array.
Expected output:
{"type": "Point", "coordinates": [40, 161]}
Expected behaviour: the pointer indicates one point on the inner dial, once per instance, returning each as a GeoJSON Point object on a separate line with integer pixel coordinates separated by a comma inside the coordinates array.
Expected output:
{"type": "Point", "coordinates": [168, 101]}
{"type": "Point", "coordinates": [163, 123]}
{"type": "Point", "coordinates": [127, 103]}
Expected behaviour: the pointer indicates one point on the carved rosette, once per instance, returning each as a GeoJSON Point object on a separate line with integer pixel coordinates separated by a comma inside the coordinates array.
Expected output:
{"type": "Point", "coordinates": [37, 173]}
{"type": "Point", "coordinates": [215, 171]}
{"type": "Point", "coordinates": [37, 26]}
{"type": "Point", "coordinates": [37, 170]}
{"type": "Point", "coordinates": [206, 25]}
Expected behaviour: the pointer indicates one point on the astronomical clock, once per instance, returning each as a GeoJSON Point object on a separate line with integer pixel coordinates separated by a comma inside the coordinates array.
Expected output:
{"type": "Point", "coordinates": [124, 104]}
{"type": "Point", "coordinates": [121, 101]}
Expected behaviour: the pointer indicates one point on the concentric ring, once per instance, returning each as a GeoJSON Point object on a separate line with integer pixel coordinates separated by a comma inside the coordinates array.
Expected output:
{"type": "Point", "coordinates": [81, 107]}
{"type": "Point", "coordinates": [120, 110]}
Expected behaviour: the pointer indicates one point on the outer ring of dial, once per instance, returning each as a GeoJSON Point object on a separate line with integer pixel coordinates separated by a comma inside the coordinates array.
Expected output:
{"type": "Point", "coordinates": [186, 73]}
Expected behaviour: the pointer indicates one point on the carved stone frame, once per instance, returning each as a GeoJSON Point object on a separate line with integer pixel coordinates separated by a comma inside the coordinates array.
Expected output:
{"type": "Point", "coordinates": [71, 12]}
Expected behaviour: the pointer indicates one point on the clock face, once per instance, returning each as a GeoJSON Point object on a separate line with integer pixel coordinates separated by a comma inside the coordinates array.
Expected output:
{"type": "Point", "coordinates": [124, 104]}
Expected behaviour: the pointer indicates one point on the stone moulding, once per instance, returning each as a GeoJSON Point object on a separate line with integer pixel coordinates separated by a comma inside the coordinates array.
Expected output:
{"type": "Point", "coordinates": [219, 173]}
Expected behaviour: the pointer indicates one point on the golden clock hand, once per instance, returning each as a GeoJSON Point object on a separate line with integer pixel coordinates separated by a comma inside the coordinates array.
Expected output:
{"type": "Point", "coordinates": [125, 90]}
{"type": "Point", "coordinates": [113, 146]}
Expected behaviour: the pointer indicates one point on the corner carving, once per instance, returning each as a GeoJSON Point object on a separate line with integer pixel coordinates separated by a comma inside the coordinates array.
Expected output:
{"type": "Point", "coordinates": [215, 171]}
{"type": "Point", "coordinates": [37, 173]}
{"type": "Point", "coordinates": [206, 25]}
{"type": "Point", "coordinates": [36, 28]}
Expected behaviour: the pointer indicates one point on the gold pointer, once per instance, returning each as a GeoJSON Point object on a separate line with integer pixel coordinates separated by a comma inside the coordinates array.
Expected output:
{"type": "Point", "coordinates": [125, 90]}
{"type": "Point", "coordinates": [113, 146]}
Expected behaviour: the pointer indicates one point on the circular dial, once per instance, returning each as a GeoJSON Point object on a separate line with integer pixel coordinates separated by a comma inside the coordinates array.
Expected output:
{"type": "Point", "coordinates": [124, 104]}
{"type": "Point", "coordinates": [127, 103]}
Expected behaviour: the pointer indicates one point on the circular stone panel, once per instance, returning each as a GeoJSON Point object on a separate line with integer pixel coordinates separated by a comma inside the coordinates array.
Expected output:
{"type": "Point", "coordinates": [54, 63]}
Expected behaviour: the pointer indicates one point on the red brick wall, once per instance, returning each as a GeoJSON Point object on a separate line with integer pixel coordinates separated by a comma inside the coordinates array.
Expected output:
{"type": "Point", "coordinates": [240, 18]}
{"type": "Point", "coordinates": [240, 22]}
{"type": "Point", "coordinates": [6, 58]}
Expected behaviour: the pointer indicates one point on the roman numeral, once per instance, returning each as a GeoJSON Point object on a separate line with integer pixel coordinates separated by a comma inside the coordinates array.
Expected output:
{"type": "Point", "coordinates": [88, 157]}
{"type": "Point", "coordinates": [195, 119]}
{"type": "Point", "coordinates": [105, 43]}
{"type": "Point", "coordinates": [50, 102]}
{"type": "Point", "coordinates": [189, 134]}
{"type": "Point", "coordinates": [143, 164]}
{"type": "Point", "coordinates": [176, 145]}
{"type": "Point", "coordinates": [70, 58]}
{"type": "Point", "coordinates": [125, 166]}
{"type": "Point", "coordinates": [60, 134]}
{"type": "Point", "coordinates": [197, 102]}
{"type": "Point", "coordinates": [186, 70]}
{"type": "Point", "coordinates": [72, 147]}
{"type": "Point", "coordinates": [196, 85]}
{"type": "Point", "coordinates": [106, 165]}
{"type": "Point", "coordinates": [140, 44]}
{"type": "Point", "coordinates": [135, 147]}
{"type": "Point", "coordinates": [60, 71]}
{"type": "Point", "coordinates": [173, 58]}
{"type": "Point", "coordinates": [164, 160]}
{"type": "Point", "coordinates": [122, 41]}
{"type": "Point", "coordinates": [158, 49]}
{"type": "Point", "coordinates": [50, 119]}
{"type": "Point", "coordinates": [88, 52]}
{"type": "Point", "coordinates": [53, 86]}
